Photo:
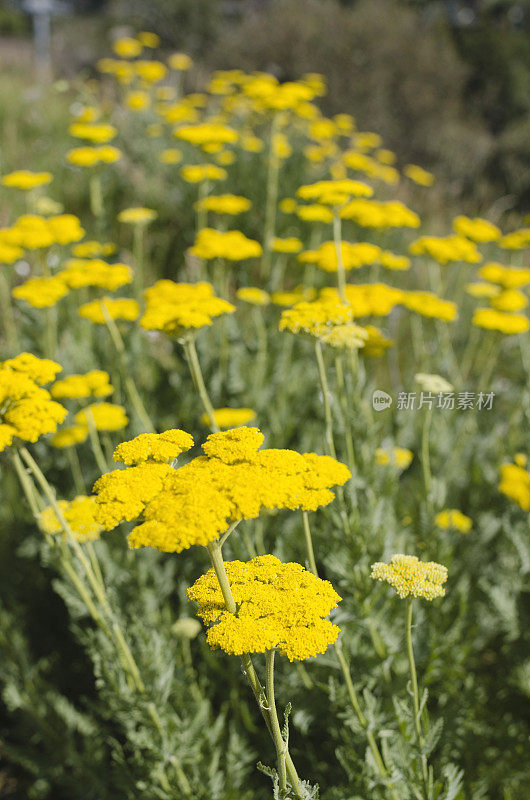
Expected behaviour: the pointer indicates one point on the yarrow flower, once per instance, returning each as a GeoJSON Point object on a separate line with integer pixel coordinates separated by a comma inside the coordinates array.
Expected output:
{"type": "Point", "coordinates": [104, 416]}
{"type": "Point", "coordinates": [26, 179]}
{"type": "Point", "coordinates": [98, 311]}
{"type": "Point", "coordinates": [398, 457]}
{"type": "Point", "coordinates": [176, 307]}
{"type": "Point", "coordinates": [453, 518]}
{"type": "Point", "coordinates": [411, 577]}
{"type": "Point", "coordinates": [232, 245]}
{"type": "Point", "coordinates": [494, 320]}
{"type": "Point", "coordinates": [78, 513]}
{"type": "Point", "coordinates": [27, 411]}
{"type": "Point", "coordinates": [196, 503]}
{"type": "Point", "coordinates": [95, 383]}
{"type": "Point", "coordinates": [515, 483]}
{"type": "Point", "coordinates": [137, 215]}
{"type": "Point", "coordinates": [154, 447]}
{"type": "Point", "coordinates": [278, 606]}
{"type": "Point", "coordinates": [230, 417]}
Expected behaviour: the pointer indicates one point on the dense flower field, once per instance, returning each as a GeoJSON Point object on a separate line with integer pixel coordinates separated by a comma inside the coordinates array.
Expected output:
{"type": "Point", "coordinates": [263, 393]}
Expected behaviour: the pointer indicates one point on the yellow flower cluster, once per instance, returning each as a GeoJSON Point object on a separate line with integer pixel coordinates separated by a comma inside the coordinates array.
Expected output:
{"type": "Point", "coordinates": [315, 317]}
{"type": "Point", "coordinates": [334, 192]}
{"type": "Point", "coordinates": [41, 292]}
{"type": "Point", "coordinates": [509, 277]}
{"type": "Point", "coordinates": [418, 175]}
{"type": "Point", "coordinates": [446, 248]}
{"type": "Point", "coordinates": [26, 179]}
{"type": "Point", "coordinates": [368, 299]}
{"type": "Point", "coordinates": [137, 215]}
{"type": "Point", "coordinates": [380, 214]}
{"type": "Point", "coordinates": [104, 416]}
{"type": "Point", "coordinates": [230, 417]}
{"type": "Point", "coordinates": [31, 231]}
{"type": "Point", "coordinates": [175, 307]}
{"type": "Point", "coordinates": [515, 484]}
{"type": "Point", "coordinates": [78, 513]}
{"type": "Point", "coordinates": [352, 255]}
{"type": "Point", "coordinates": [516, 240]}
{"type": "Point", "coordinates": [452, 518]}
{"type": "Point", "coordinates": [92, 156]}
{"type": "Point", "coordinates": [95, 383]}
{"type": "Point", "coordinates": [205, 134]}
{"type": "Point", "coordinates": [98, 311]}
{"type": "Point", "coordinates": [290, 244]}
{"type": "Point", "coordinates": [196, 503]}
{"type": "Point", "coordinates": [80, 273]}
{"type": "Point", "coordinates": [477, 229]}
{"type": "Point", "coordinates": [253, 295]}
{"type": "Point", "coordinates": [197, 173]}
{"type": "Point", "coordinates": [493, 320]}
{"type": "Point", "coordinates": [27, 411]}
{"type": "Point", "coordinates": [360, 162]}
{"type": "Point", "coordinates": [278, 606]}
{"type": "Point", "coordinates": [70, 436]}
{"type": "Point", "coordinates": [154, 447]}
{"type": "Point", "coordinates": [411, 577]}
{"type": "Point", "coordinates": [224, 204]}
{"type": "Point", "coordinates": [429, 304]}
{"type": "Point", "coordinates": [232, 245]}
{"type": "Point", "coordinates": [398, 457]}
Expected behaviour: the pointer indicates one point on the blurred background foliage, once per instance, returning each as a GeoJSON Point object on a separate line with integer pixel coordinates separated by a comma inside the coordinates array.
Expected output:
{"type": "Point", "coordinates": [446, 83]}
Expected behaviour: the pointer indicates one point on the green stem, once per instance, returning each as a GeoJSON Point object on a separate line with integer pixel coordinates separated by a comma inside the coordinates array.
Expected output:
{"type": "Point", "coordinates": [75, 467]}
{"type": "Point", "coordinates": [415, 696]}
{"type": "Point", "coordinates": [8, 317]}
{"type": "Point", "coordinates": [309, 544]}
{"type": "Point", "coordinates": [139, 258]}
{"type": "Point", "coordinates": [198, 381]}
{"type": "Point", "coordinates": [258, 691]}
{"type": "Point", "coordinates": [341, 273]}
{"type": "Point", "coordinates": [95, 443]}
{"type": "Point", "coordinates": [279, 742]}
{"type": "Point", "coordinates": [425, 453]}
{"type": "Point", "coordinates": [130, 385]}
{"type": "Point", "coordinates": [345, 411]}
{"type": "Point", "coordinates": [325, 396]}
{"type": "Point", "coordinates": [273, 169]}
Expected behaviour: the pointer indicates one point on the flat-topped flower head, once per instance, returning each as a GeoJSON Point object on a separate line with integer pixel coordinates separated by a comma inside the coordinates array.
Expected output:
{"type": "Point", "coordinates": [100, 311]}
{"type": "Point", "coordinates": [398, 457]}
{"type": "Point", "coordinates": [380, 214]}
{"type": "Point", "coordinates": [78, 513]}
{"type": "Point", "coordinates": [316, 317]}
{"type": "Point", "coordinates": [508, 277]}
{"type": "Point", "coordinates": [493, 320]}
{"type": "Point", "coordinates": [452, 518]}
{"type": "Point", "coordinates": [95, 383]}
{"type": "Point", "coordinates": [27, 411]}
{"type": "Point", "coordinates": [353, 256]}
{"type": "Point", "coordinates": [334, 192]}
{"type": "Point", "coordinates": [42, 292]}
{"type": "Point", "coordinates": [433, 383]}
{"type": "Point", "coordinates": [26, 179]}
{"type": "Point", "coordinates": [411, 577]}
{"type": "Point", "coordinates": [104, 416]}
{"type": "Point", "coordinates": [137, 215]}
{"type": "Point", "coordinates": [224, 204]}
{"type": "Point", "coordinates": [230, 417]}
{"type": "Point", "coordinates": [40, 370]}
{"type": "Point", "coordinates": [515, 482]}
{"type": "Point", "coordinates": [446, 249]}
{"type": "Point", "coordinates": [69, 437]}
{"type": "Point", "coordinates": [477, 229]}
{"type": "Point", "coordinates": [176, 307]}
{"type": "Point", "coordinates": [196, 503]}
{"type": "Point", "coordinates": [232, 245]}
{"type": "Point", "coordinates": [279, 606]}
{"type": "Point", "coordinates": [154, 447]}
{"type": "Point", "coordinates": [253, 295]}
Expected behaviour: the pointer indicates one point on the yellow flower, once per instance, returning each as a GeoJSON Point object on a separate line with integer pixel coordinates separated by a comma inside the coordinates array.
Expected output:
{"type": "Point", "coordinates": [288, 245]}
{"type": "Point", "coordinates": [69, 437]}
{"type": "Point", "coordinates": [92, 249]}
{"type": "Point", "coordinates": [430, 305]}
{"type": "Point", "coordinates": [137, 216]}
{"type": "Point", "coordinates": [92, 156]}
{"type": "Point", "coordinates": [234, 480]}
{"type": "Point", "coordinates": [411, 577]}
{"type": "Point", "coordinates": [79, 514]}
{"type": "Point", "coordinates": [41, 292]}
{"type": "Point", "coordinates": [65, 228]}
{"type": "Point", "coordinates": [343, 336]}
{"type": "Point", "coordinates": [378, 214]}
{"type": "Point", "coordinates": [314, 212]}
{"type": "Point", "coordinates": [138, 101]}
{"type": "Point", "coordinates": [394, 261]}
{"type": "Point", "coordinates": [367, 299]}
{"type": "Point", "coordinates": [334, 192]}
{"type": "Point", "coordinates": [175, 307]}
{"type": "Point", "coordinates": [104, 416]}
{"type": "Point", "coordinates": [278, 606]}
{"type": "Point", "coordinates": [171, 155]}
{"type": "Point", "coordinates": [377, 343]}
{"type": "Point", "coordinates": [482, 289]}
{"type": "Point", "coordinates": [224, 204]}
{"type": "Point", "coordinates": [153, 447]}
{"type": "Point", "coordinates": [433, 383]}
{"type": "Point", "coordinates": [40, 370]}
{"type": "Point", "coordinates": [315, 317]}
{"type": "Point", "coordinates": [515, 484]}
{"type": "Point", "coordinates": [230, 417]}
{"type": "Point", "coordinates": [180, 61]}
{"type": "Point", "coordinates": [509, 277]}
{"type": "Point", "coordinates": [494, 320]}
{"type": "Point", "coordinates": [253, 295]}
{"type": "Point", "coordinates": [127, 47]}
{"type": "Point", "coordinates": [398, 457]}
{"type": "Point", "coordinates": [25, 179]}
{"type": "Point", "coordinates": [150, 71]}
{"type": "Point", "coordinates": [509, 300]}
{"type": "Point", "coordinates": [445, 249]}
{"type": "Point", "coordinates": [206, 133]}
{"type": "Point", "coordinates": [453, 518]}
{"type": "Point", "coordinates": [95, 383]}
{"type": "Point", "coordinates": [418, 175]}
{"type": "Point", "coordinates": [97, 133]}
{"type": "Point", "coordinates": [290, 298]}
{"type": "Point", "coordinates": [98, 311]}
{"type": "Point", "coordinates": [203, 172]}
{"type": "Point", "coordinates": [289, 205]}
{"type": "Point", "coordinates": [79, 273]}
{"type": "Point", "coordinates": [148, 39]}
{"type": "Point", "coordinates": [27, 410]}
{"type": "Point", "coordinates": [353, 255]}
{"type": "Point", "coordinates": [517, 240]}
{"type": "Point", "coordinates": [477, 229]}
{"type": "Point", "coordinates": [232, 245]}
